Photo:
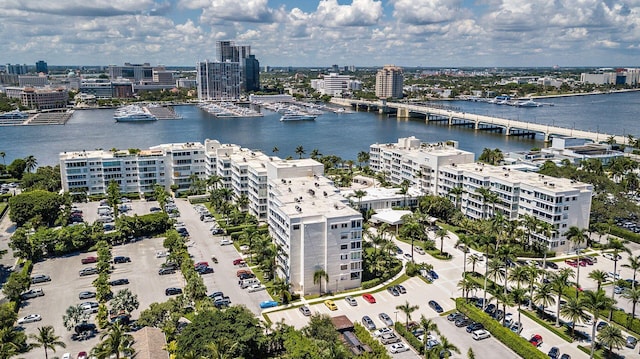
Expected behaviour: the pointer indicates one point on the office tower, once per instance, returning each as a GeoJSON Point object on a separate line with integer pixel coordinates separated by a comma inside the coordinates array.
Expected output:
{"type": "Point", "coordinates": [41, 66]}
{"type": "Point", "coordinates": [252, 73]}
{"type": "Point", "coordinates": [228, 51]}
{"type": "Point", "coordinates": [218, 80]}
{"type": "Point", "coordinates": [389, 82]}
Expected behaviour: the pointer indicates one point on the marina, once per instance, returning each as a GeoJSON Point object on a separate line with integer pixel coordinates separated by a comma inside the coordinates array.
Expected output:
{"type": "Point", "coordinates": [18, 118]}
{"type": "Point", "coordinates": [228, 109]}
{"type": "Point", "coordinates": [133, 113]}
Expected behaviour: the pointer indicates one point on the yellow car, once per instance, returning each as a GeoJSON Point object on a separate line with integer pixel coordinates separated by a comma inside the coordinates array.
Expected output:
{"type": "Point", "coordinates": [330, 304]}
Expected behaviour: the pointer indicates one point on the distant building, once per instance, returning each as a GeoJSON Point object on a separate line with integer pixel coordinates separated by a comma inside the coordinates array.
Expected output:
{"type": "Point", "coordinates": [32, 81]}
{"type": "Point", "coordinates": [389, 82]}
{"type": "Point", "coordinates": [186, 83]}
{"type": "Point", "coordinates": [41, 66]}
{"type": "Point", "coordinates": [42, 98]}
{"type": "Point", "coordinates": [218, 80]}
{"type": "Point", "coordinates": [252, 74]}
{"type": "Point", "coordinates": [228, 51]}
{"type": "Point", "coordinates": [162, 76]}
{"type": "Point", "coordinates": [136, 73]}
{"type": "Point", "coordinates": [105, 89]}
{"type": "Point", "coordinates": [335, 84]}
{"type": "Point", "coordinates": [17, 69]}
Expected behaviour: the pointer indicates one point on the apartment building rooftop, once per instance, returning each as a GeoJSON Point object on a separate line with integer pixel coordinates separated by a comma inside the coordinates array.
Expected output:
{"type": "Point", "coordinates": [533, 179]}
{"type": "Point", "coordinates": [311, 196]}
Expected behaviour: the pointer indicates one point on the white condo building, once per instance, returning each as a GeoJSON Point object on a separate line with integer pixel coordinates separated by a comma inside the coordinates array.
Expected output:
{"type": "Point", "coordinates": [415, 161]}
{"type": "Point", "coordinates": [335, 84]}
{"type": "Point", "coordinates": [314, 226]}
{"type": "Point", "coordinates": [561, 202]}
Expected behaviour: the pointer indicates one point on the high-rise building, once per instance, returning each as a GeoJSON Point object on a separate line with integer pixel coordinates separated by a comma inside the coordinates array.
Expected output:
{"type": "Point", "coordinates": [135, 73]}
{"type": "Point", "coordinates": [228, 51]}
{"type": "Point", "coordinates": [218, 80]}
{"type": "Point", "coordinates": [41, 66]}
{"type": "Point", "coordinates": [252, 73]}
{"type": "Point", "coordinates": [17, 69]}
{"type": "Point", "coordinates": [389, 82]}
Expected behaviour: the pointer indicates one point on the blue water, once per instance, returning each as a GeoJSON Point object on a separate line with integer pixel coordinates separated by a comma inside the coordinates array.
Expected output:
{"type": "Point", "coordinates": [343, 135]}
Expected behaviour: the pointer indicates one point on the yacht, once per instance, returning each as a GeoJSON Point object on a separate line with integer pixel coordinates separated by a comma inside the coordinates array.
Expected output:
{"type": "Point", "coordinates": [297, 117]}
{"type": "Point", "coordinates": [529, 103]}
{"type": "Point", "coordinates": [133, 113]}
{"type": "Point", "coordinates": [14, 115]}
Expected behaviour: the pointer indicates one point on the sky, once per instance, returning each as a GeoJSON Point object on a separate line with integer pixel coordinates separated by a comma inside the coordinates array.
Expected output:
{"type": "Point", "coordinates": [313, 33]}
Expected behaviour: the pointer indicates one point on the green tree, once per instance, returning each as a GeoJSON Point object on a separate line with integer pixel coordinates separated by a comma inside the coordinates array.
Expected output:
{"type": "Point", "coordinates": [35, 204]}
{"type": "Point", "coordinates": [577, 236]}
{"type": "Point", "coordinates": [12, 342]}
{"type": "Point", "coordinates": [318, 276]}
{"type": "Point", "coordinates": [300, 151]}
{"type": "Point", "coordinates": [442, 234]}
{"type": "Point", "coordinates": [363, 157]}
{"type": "Point", "coordinates": [632, 295]}
{"type": "Point", "coordinates": [560, 281]}
{"type": "Point", "coordinates": [125, 301]}
{"type": "Point", "coordinates": [447, 347]}
{"type": "Point", "coordinates": [544, 295]}
{"type": "Point", "coordinates": [407, 309]}
{"type": "Point", "coordinates": [30, 163]}
{"type": "Point", "coordinates": [46, 338]}
{"type": "Point", "coordinates": [427, 326]}
{"type": "Point", "coordinates": [611, 338]}
{"type": "Point", "coordinates": [114, 341]}
{"type": "Point", "coordinates": [73, 316]}
{"type": "Point", "coordinates": [597, 303]}
{"type": "Point", "coordinates": [17, 283]}
{"type": "Point", "coordinates": [599, 276]}
{"type": "Point", "coordinates": [113, 196]}
{"type": "Point", "coordinates": [574, 311]}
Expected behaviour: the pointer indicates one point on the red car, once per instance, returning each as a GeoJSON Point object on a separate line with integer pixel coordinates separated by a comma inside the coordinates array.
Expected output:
{"type": "Point", "coordinates": [82, 355]}
{"type": "Point", "coordinates": [238, 261]}
{"type": "Point", "coordinates": [536, 340]}
{"type": "Point", "coordinates": [571, 262]}
{"type": "Point", "coordinates": [369, 298]}
{"type": "Point", "coordinates": [88, 260]}
{"type": "Point", "coordinates": [202, 264]}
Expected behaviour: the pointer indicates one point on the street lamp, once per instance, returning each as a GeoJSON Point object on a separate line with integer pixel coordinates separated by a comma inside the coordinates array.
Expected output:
{"type": "Point", "coordinates": [396, 315]}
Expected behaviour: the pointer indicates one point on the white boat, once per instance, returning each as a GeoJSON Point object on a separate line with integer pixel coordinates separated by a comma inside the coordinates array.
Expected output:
{"type": "Point", "coordinates": [133, 113]}
{"type": "Point", "coordinates": [529, 103]}
{"type": "Point", "coordinates": [297, 117]}
{"type": "Point", "coordinates": [15, 114]}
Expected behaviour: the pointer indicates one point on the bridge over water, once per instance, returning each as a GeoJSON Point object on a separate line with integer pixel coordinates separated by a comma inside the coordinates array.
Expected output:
{"type": "Point", "coordinates": [479, 122]}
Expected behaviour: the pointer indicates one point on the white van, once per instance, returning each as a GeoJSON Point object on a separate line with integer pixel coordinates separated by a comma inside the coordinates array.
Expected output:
{"type": "Point", "coordinates": [104, 210]}
{"type": "Point", "coordinates": [480, 334]}
{"type": "Point", "coordinates": [245, 283]}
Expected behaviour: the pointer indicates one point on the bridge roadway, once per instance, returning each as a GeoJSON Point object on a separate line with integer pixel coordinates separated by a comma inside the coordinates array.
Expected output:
{"type": "Point", "coordinates": [481, 121]}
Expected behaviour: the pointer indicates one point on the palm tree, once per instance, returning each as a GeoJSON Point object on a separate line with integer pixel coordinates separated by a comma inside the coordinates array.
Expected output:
{"type": "Point", "coordinates": [634, 265]}
{"type": "Point", "coordinates": [457, 193]}
{"type": "Point", "coordinates": [300, 151]}
{"type": "Point", "coordinates": [221, 348]}
{"type": "Point", "coordinates": [30, 163]}
{"type": "Point", "coordinates": [496, 270]}
{"type": "Point", "coordinates": [407, 309]}
{"type": "Point", "coordinates": [611, 337]}
{"type": "Point", "coordinates": [633, 295]}
{"type": "Point", "coordinates": [315, 153]}
{"type": "Point", "coordinates": [518, 296]}
{"type": "Point", "coordinates": [466, 285]}
{"type": "Point", "coordinates": [125, 301]}
{"type": "Point", "coordinates": [275, 149]}
{"type": "Point", "coordinates": [559, 281]}
{"type": "Point", "coordinates": [442, 234]}
{"type": "Point", "coordinates": [596, 302]}
{"type": "Point", "coordinates": [599, 276]}
{"type": "Point", "coordinates": [473, 260]}
{"type": "Point", "coordinates": [532, 277]}
{"type": "Point", "coordinates": [544, 296]}
{"type": "Point", "coordinates": [506, 300]}
{"type": "Point", "coordinates": [574, 311]}
{"type": "Point", "coordinates": [318, 276]}
{"type": "Point", "coordinates": [576, 236]}
{"type": "Point", "coordinates": [3, 155]}
{"type": "Point", "coordinates": [464, 240]}
{"type": "Point", "coordinates": [447, 347]}
{"type": "Point", "coordinates": [12, 342]}
{"type": "Point", "coordinates": [47, 339]}
{"type": "Point", "coordinates": [281, 289]}
{"type": "Point", "coordinates": [618, 246]}
{"type": "Point", "coordinates": [359, 194]}
{"type": "Point", "coordinates": [427, 326]}
{"type": "Point", "coordinates": [114, 341]}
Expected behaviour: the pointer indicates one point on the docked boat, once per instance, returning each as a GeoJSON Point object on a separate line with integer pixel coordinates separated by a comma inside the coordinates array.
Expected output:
{"type": "Point", "coordinates": [297, 117]}
{"type": "Point", "coordinates": [133, 113]}
{"type": "Point", "coordinates": [14, 115]}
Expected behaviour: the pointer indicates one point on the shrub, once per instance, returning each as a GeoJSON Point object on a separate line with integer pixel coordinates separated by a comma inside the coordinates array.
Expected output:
{"type": "Point", "coordinates": [504, 335]}
{"type": "Point", "coordinates": [624, 319]}
{"type": "Point", "coordinates": [411, 339]}
{"type": "Point", "coordinates": [363, 335]}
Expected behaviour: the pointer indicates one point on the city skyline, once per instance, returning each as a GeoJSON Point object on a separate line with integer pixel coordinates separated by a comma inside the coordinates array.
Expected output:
{"type": "Point", "coordinates": [429, 33]}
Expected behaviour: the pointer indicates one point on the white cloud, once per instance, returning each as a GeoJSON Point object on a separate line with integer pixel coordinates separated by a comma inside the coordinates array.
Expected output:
{"type": "Point", "coordinates": [359, 13]}
{"type": "Point", "coordinates": [238, 11]}
{"type": "Point", "coordinates": [424, 12]}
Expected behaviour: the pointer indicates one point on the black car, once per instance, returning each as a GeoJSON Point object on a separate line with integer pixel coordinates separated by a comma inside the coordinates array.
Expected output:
{"type": "Point", "coordinates": [121, 259]}
{"type": "Point", "coordinates": [172, 291]}
{"type": "Point", "coordinates": [244, 276]}
{"type": "Point", "coordinates": [204, 270]}
{"type": "Point", "coordinates": [121, 281]}
{"type": "Point", "coordinates": [554, 353]}
{"type": "Point", "coordinates": [552, 265]}
{"type": "Point", "coordinates": [463, 322]}
{"type": "Point", "coordinates": [85, 327]}
{"type": "Point", "coordinates": [454, 316]}
{"type": "Point", "coordinates": [601, 326]}
{"type": "Point", "coordinates": [170, 265]}
{"type": "Point", "coordinates": [435, 306]}
{"type": "Point", "coordinates": [474, 326]}
{"type": "Point", "coordinates": [164, 271]}
{"type": "Point", "coordinates": [393, 291]}
{"type": "Point", "coordinates": [490, 309]}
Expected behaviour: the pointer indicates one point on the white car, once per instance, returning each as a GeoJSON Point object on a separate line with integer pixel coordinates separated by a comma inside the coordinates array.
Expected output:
{"type": "Point", "coordinates": [382, 331]}
{"type": "Point", "coordinates": [30, 319]}
{"type": "Point", "coordinates": [480, 334]}
{"type": "Point", "coordinates": [610, 256]}
{"type": "Point", "coordinates": [256, 288]}
{"type": "Point", "coordinates": [161, 254]}
{"type": "Point", "coordinates": [225, 241]}
{"type": "Point", "coordinates": [67, 356]}
{"type": "Point", "coordinates": [615, 276]}
{"type": "Point", "coordinates": [398, 348]}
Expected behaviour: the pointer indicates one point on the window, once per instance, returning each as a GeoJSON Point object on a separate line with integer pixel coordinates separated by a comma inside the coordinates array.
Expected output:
{"type": "Point", "coordinates": [343, 267]}
{"type": "Point", "coordinates": [344, 225]}
{"type": "Point", "coordinates": [357, 265]}
{"type": "Point", "coordinates": [344, 236]}
{"type": "Point", "coordinates": [355, 275]}
{"type": "Point", "coordinates": [344, 246]}
{"type": "Point", "coordinates": [296, 227]}
{"type": "Point", "coordinates": [344, 256]}
{"type": "Point", "coordinates": [334, 226]}
{"type": "Point", "coordinates": [356, 245]}
{"type": "Point", "coordinates": [356, 255]}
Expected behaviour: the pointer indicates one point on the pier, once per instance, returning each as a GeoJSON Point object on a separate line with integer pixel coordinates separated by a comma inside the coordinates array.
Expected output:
{"type": "Point", "coordinates": [450, 117]}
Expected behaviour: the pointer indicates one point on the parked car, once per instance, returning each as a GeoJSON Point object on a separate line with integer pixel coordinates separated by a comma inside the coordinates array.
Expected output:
{"type": "Point", "coordinates": [480, 334]}
{"type": "Point", "coordinates": [225, 241]}
{"type": "Point", "coordinates": [172, 291]}
{"type": "Point", "coordinates": [305, 310]}
{"type": "Point", "coordinates": [419, 250]}
{"type": "Point", "coordinates": [463, 322]}
{"type": "Point", "coordinates": [330, 304]}
{"type": "Point", "coordinates": [121, 281]}
{"type": "Point", "coordinates": [552, 265]}
{"type": "Point", "coordinates": [256, 288]}
{"type": "Point", "coordinates": [121, 259]}
{"type": "Point", "coordinates": [601, 326]}
{"type": "Point", "coordinates": [433, 274]}
{"type": "Point", "coordinates": [554, 353]}
{"type": "Point", "coordinates": [454, 316]}
{"type": "Point", "coordinates": [201, 264]}
{"type": "Point", "coordinates": [86, 295]}
{"type": "Point", "coordinates": [390, 338]}
{"type": "Point", "coordinates": [88, 260]}
{"type": "Point", "coordinates": [164, 271]}
{"type": "Point", "coordinates": [474, 326]}
{"type": "Point", "coordinates": [386, 319]}
{"type": "Point", "coordinates": [268, 304]}
{"type": "Point", "coordinates": [83, 355]}
{"type": "Point", "coordinates": [401, 289]}
{"type": "Point", "coordinates": [40, 278]}
{"type": "Point", "coordinates": [407, 256]}
{"type": "Point", "coordinates": [368, 323]}
{"type": "Point", "coordinates": [612, 257]}
{"type": "Point", "coordinates": [393, 291]}
{"type": "Point", "coordinates": [536, 340]}
{"type": "Point", "coordinates": [382, 331]}
{"type": "Point", "coordinates": [435, 306]}
{"type": "Point", "coordinates": [30, 319]}
{"type": "Point", "coordinates": [88, 271]}
{"type": "Point", "coordinates": [32, 293]}
{"type": "Point", "coordinates": [631, 342]}
{"type": "Point", "coordinates": [516, 327]}
{"type": "Point", "coordinates": [352, 302]}
{"type": "Point", "coordinates": [90, 307]}
{"type": "Point", "coordinates": [369, 298]}
{"type": "Point", "coordinates": [398, 348]}
{"type": "Point", "coordinates": [204, 270]}
{"type": "Point", "coordinates": [238, 261]}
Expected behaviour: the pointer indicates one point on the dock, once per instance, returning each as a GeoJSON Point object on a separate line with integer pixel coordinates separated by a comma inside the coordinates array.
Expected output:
{"type": "Point", "coordinates": [162, 112]}
{"type": "Point", "coordinates": [40, 119]}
